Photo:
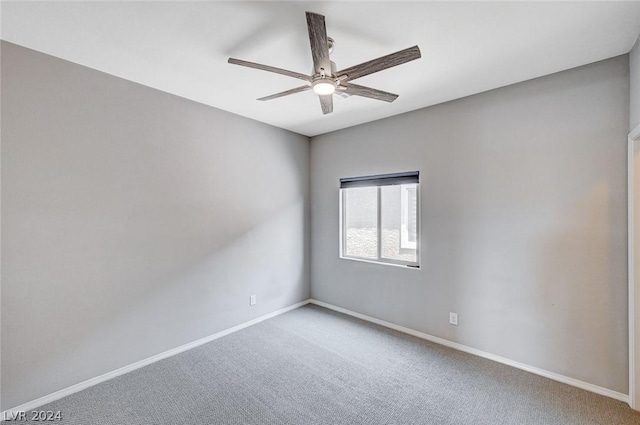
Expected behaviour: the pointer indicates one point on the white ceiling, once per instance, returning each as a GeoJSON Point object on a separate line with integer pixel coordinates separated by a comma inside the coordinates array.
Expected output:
{"type": "Point", "coordinates": [182, 48]}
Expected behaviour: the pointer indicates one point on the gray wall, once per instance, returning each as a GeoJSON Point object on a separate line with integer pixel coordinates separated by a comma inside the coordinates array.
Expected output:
{"type": "Point", "coordinates": [634, 77]}
{"type": "Point", "coordinates": [134, 221]}
{"type": "Point", "coordinates": [523, 213]}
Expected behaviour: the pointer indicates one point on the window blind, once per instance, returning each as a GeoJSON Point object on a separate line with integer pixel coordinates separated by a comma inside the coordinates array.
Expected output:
{"type": "Point", "coordinates": [380, 180]}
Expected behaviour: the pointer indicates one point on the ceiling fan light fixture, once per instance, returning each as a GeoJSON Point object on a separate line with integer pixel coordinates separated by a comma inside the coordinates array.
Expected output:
{"type": "Point", "coordinates": [324, 86]}
{"type": "Point", "coordinates": [324, 79]}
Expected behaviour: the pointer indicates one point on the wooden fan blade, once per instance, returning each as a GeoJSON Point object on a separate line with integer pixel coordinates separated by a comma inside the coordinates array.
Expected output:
{"type": "Point", "coordinates": [286, 93]}
{"type": "Point", "coordinates": [326, 101]}
{"type": "Point", "coordinates": [369, 92]}
{"type": "Point", "coordinates": [270, 69]}
{"type": "Point", "coordinates": [375, 65]}
{"type": "Point", "coordinates": [319, 43]}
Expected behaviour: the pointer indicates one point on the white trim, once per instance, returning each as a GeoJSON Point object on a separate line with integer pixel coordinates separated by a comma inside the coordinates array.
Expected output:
{"type": "Point", "coordinates": [362, 260]}
{"type": "Point", "coordinates": [551, 375]}
{"type": "Point", "coordinates": [137, 365]}
{"type": "Point", "coordinates": [634, 136]}
{"type": "Point", "coordinates": [635, 133]}
{"type": "Point", "coordinates": [0, 249]}
{"type": "Point", "coordinates": [630, 261]}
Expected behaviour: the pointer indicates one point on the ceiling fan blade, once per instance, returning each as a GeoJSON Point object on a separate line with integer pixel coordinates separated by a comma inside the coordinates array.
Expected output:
{"type": "Point", "coordinates": [326, 101]}
{"type": "Point", "coordinates": [286, 93]}
{"type": "Point", "coordinates": [384, 62]}
{"type": "Point", "coordinates": [369, 92]}
{"type": "Point", "coordinates": [319, 43]}
{"type": "Point", "coordinates": [270, 69]}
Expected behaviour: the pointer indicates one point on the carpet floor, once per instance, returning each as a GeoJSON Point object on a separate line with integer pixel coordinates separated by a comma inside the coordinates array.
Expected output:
{"type": "Point", "coordinates": [315, 366]}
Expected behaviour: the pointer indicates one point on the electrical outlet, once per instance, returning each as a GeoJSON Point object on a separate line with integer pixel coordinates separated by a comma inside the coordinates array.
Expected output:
{"type": "Point", "coordinates": [252, 300]}
{"type": "Point", "coordinates": [453, 319]}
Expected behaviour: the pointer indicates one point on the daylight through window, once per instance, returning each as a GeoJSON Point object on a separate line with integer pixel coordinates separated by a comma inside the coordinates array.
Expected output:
{"type": "Point", "coordinates": [379, 218]}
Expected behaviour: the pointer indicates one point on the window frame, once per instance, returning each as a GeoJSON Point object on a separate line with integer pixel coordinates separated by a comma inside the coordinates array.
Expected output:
{"type": "Point", "coordinates": [380, 259]}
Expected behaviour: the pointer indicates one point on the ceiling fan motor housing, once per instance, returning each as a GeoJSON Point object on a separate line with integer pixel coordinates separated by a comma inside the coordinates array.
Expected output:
{"type": "Point", "coordinates": [327, 74]}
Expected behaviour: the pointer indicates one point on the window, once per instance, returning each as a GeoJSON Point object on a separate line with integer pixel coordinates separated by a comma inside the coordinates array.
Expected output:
{"type": "Point", "coordinates": [379, 219]}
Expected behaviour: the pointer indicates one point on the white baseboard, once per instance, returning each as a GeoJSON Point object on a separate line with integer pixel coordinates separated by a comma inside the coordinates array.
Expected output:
{"type": "Point", "coordinates": [31, 405]}
{"type": "Point", "coordinates": [551, 375]}
{"type": "Point", "coordinates": [105, 377]}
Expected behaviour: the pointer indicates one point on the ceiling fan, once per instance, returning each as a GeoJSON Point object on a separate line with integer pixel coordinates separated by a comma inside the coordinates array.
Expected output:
{"type": "Point", "coordinates": [325, 79]}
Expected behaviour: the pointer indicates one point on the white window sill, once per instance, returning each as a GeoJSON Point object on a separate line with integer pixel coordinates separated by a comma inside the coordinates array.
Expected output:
{"type": "Point", "coordinates": [383, 263]}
